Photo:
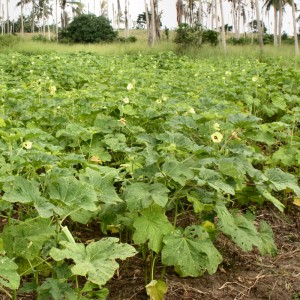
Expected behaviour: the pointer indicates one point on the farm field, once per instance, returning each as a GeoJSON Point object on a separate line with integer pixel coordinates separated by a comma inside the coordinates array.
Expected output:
{"type": "Point", "coordinates": [157, 170]}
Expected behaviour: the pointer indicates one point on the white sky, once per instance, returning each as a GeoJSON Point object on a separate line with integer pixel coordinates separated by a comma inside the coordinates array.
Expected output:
{"type": "Point", "coordinates": [168, 7]}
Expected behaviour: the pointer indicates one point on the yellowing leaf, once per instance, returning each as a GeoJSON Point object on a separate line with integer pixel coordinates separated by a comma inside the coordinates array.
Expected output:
{"type": "Point", "coordinates": [156, 289]}
{"type": "Point", "coordinates": [297, 201]}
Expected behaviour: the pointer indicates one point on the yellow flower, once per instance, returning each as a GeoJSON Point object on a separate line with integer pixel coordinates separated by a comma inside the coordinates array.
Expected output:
{"type": "Point", "coordinates": [191, 110]}
{"type": "Point", "coordinates": [254, 78]}
{"type": "Point", "coordinates": [52, 90]}
{"type": "Point", "coordinates": [95, 159]}
{"type": "Point", "coordinates": [27, 145]}
{"type": "Point", "coordinates": [216, 127]}
{"type": "Point", "coordinates": [158, 101]}
{"type": "Point", "coordinates": [130, 86]}
{"type": "Point", "coordinates": [125, 100]}
{"type": "Point", "coordinates": [123, 121]}
{"type": "Point", "coordinates": [216, 137]}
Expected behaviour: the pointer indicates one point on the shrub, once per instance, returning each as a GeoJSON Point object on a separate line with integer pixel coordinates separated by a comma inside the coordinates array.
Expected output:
{"type": "Point", "coordinates": [9, 40]}
{"type": "Point", "coordinates": [189, 35]}
{"type": "Point", "coordinates": [88, 28]}
{"type": "Point", "coordinates": [195, 35]}
{"type": "Point", "coordinates": [130, 39]}
{"type": "Point", "coordinates": [211, 37]}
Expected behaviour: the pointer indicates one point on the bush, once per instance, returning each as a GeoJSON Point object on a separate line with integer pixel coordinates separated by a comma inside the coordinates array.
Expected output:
{"type": "Point", "coordinates": [188, 35]}
{"type": "Point", "coordinates": [87, 28]}
{"type": "Point", "coordinates": [195, 35]}
{"type": "Point", "coordinates": [211, 37]}
{"type": "Point", "coordinates": [9, 40]}
{"type": "Point", "coordinates": [240, 41]}
{"type": "Point", "coordinates": [130, 39]}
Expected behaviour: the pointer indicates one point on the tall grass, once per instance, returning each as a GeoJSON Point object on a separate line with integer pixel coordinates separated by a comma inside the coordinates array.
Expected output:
{"type": "Point", "coordinates": [26, 45]}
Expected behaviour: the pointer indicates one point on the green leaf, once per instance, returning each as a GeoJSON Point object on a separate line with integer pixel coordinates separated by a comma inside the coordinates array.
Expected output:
{"type": "Point", "coordinates": [21, 190]}
{"type": "Point", "coordinates": [9, 276]}
{"type": "Point", "coordinates": [151, 226]}
{"type": "Point", "coordinates": [141, 195]}
{"type": "Point", "coordinates": [280, 180]}
{"type": "Point", "coordinates": [243, 232]}
{"type": "Point", "coordinates": [266, 194]}
{"type": "Point", "coordinates": [177, 171]}
{"type": "Point", "coordinates": [156, 289]}
{"type": "Point", "coordinates": [73, 193]}
{"type": "Point", "coordinates": [55, 289]}
{"type": "Point", "coordinates": [102, 179]}
{"type": "Point", "coordinates": [191, 251]}
{"type": "Point", "coordinates": [27, 239]}
{"type": "Point", "coordinates": [97, 260]}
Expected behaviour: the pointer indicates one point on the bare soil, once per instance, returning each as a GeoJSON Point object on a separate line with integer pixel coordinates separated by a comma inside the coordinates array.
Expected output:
{"type": "Point", "coordinates": [241, 275]}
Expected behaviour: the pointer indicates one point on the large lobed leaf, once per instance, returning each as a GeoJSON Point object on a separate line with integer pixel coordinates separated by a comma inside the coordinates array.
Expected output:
{"type": "Point", "coordinates": [97, 260]}
{"type": "Point", "coordinates": [191, 251]}
{"type": "Point", "coordinates": [244, 233]}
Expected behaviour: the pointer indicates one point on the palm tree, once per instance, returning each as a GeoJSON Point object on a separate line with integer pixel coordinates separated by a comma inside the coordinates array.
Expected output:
{"type": "Point", "coordinates": [277, 7]}
{"type": "Point", "coordinates": [64, 16]}
{"type": "Point", "coordinates": [292, 3]}
{"type": "Point", "coordinates": [223, 27]}
{"type": "Point", "coordinates": [179, 9]}
{"type": "Point", "coordinates": [21, 4]}
{"type": "Point", "coordinates": [259, 26]}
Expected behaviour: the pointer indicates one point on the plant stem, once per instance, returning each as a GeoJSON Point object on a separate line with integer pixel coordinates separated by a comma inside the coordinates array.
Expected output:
{"type": "Point", "coordinates": [6, 292]}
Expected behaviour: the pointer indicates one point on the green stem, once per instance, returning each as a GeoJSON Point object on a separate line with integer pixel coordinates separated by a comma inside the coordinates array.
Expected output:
{"type": "Point", "coordinates": [153, 259]}
{"type": "Point", "coordinates": [6, 292]}
{"type": "Point", "coordinates": [175, 215]}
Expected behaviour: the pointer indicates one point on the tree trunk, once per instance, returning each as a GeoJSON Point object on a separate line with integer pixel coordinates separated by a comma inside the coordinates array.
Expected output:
{"type": "Point", "coordinates": [148, 24]}
{"type": "Point", "coordinates": [7, 13]}
{"type": "Point", "coordinates": [259, 26]}
{"type": "Point", "coordinates": [179, 9]}
{"type": "Point", "coordinates": [43, 20]}
{"type": "Point", "coordinates": [157, 20]}
{"type": "Point", "coordinates": [152, 27]}
{"type": "Point", "coordinates": [56, 19]}
{"type": "Point", "coordinates": [295, 28]}
{"type": "Point", "coordinates": [234, 18]}
{"type": "Point", "coordinates": [212, 14]}
{"type": "Point", "coordinates": [280, 23]}
{"type": "Point", "coordinates": [216, 16]}
{"type": "Point", "coordinates": [22, 17]}
{"type": "Point", "coordinates": [200, 20]}
{"type": "Point", "coordinates": [2, 17]}
{"type": "Point", "coordinates": [33, 17]}
{"type": "Point", "coordinates": [223, 27]}
{"type": "Point", "coordinates": [238, 20]}
{"type": "Point", "coordinates": [275, 28]}
{"type": "Point", "coordinates": [126, 19]}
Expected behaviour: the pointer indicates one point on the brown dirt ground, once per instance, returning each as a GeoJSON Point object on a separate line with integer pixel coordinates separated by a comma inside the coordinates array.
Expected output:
{"type": "Point", "coordinates": [241, 276]}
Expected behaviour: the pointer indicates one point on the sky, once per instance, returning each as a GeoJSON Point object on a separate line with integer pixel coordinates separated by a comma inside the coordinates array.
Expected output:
{"type": "Point", "coordinates": [168, 8]}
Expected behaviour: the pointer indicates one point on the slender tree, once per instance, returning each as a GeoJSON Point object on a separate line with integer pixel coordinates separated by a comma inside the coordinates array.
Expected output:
{"type": "Point", "coordinates": [223, 26]}
{"type": "Point", "coordinates": [259, 26]}
{"type": "Point", "coordinates": [292, 3]}
{"type": "Point", "coordinates": [179, 9]}
{"type": "Point", "coordinates": [152, 27]}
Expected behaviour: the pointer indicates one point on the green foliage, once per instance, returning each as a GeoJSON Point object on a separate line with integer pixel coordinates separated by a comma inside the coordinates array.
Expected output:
{"type": "Point", "coordinates": [195, 35]}
{"type": "Point", "coordinates": [9, 41]}
{"type": "Point", "coordinates": [9, 276]}
{"type": "Point", "coordinates": [86, 140]}
{"type": "Point", "coordinates": [87, 28]}
{"type": "Point", "coordinates": [97, 260]}
{"type": "Point", "coordinates": [200, 254]}
{"type": "Point", "coordinates": [189, 35]}
{"type": "Point", "coordinates": [210, 36]}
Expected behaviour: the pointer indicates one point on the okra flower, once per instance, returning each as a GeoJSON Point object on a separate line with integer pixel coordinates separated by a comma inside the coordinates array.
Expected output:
{"type": "Point", "coordinates": [216, 137]}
